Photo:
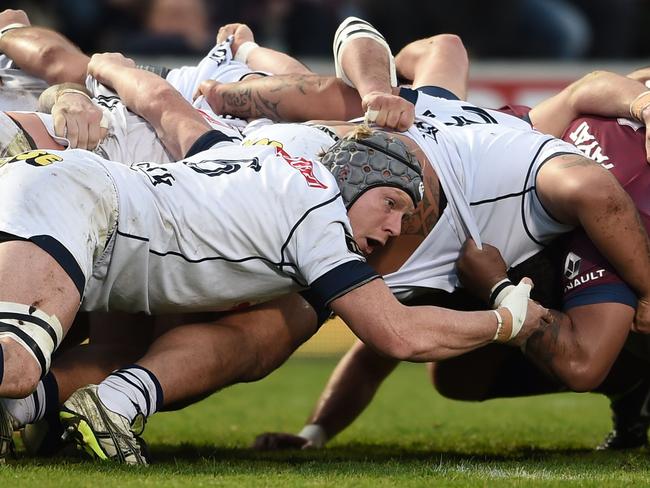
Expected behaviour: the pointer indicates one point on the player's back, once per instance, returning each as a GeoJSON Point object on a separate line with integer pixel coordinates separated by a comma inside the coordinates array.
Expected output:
{"type": "Point", "coordinates": [218, 226]}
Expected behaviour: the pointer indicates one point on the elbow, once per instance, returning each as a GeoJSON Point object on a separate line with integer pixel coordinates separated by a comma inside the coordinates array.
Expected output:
{"type": "Point", "coordinates": [58, 69]}
{"type": "Point", "coordinates": [584, 376]}
{"type": "Point", "coordinates": [404, 350]}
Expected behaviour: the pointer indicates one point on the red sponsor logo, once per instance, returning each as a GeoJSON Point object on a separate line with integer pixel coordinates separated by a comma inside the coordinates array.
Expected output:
{"type": "Point", "coordinates": [211, 119]}
{"type": "Point", "coordinates": [305, 166]}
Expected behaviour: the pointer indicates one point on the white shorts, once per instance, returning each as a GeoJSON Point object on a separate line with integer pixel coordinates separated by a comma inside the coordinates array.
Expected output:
{"type": "Point", "coordinates": [12, 137]}
{"type": "Point", "coordinates": [68, 208]}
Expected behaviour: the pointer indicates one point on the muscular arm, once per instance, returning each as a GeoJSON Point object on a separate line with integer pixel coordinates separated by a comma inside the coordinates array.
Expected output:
{"type": "Point", "coordinates": [285, 98]}
{"type": "Point", "coordinates": [579, 347]}
{"type": "Point", "coordinates": [45, 54]}
{"type": "Point", "coordinates": [177, 123]}
{"type": "Point", "coordinates": [576, 190]}
{"type": "Point", "coordinates": [598, 93]}
{"type": "Point", "coordinates": [350, 388]}
{"type": "Point", "coordinates": [421, 334]}
{"type": "Point", "coordinates": [436, 61]}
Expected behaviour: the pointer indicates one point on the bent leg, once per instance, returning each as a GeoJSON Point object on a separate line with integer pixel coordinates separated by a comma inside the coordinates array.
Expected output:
{"type": "Point", "coordinates": [31, 277]}
{"type": "Point", "coordinates": [238, 347]}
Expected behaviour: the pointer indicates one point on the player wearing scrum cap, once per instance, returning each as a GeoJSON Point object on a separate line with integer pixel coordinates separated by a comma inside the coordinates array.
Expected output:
{"type": "Point", "coordinates": [143, 258]}
{"type": "Point", "coordinates": [450, 111]}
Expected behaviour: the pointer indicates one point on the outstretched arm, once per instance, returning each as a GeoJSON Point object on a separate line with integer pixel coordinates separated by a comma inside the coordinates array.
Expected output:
{"type": "Point", "coordinates": [177, 123]}
{"type": "Point", "coordinates": [348, 392]}
{"type": "Point", "coordinates": [424, 334]}
{"type": "Point", "coordinates": [598, 93]}
{"type": "Point", "coordinates": [578, 191]}
{"type": "Point", "coordinates": [288, 98]}
{"type": "Point", "coordinates": [42, 52]}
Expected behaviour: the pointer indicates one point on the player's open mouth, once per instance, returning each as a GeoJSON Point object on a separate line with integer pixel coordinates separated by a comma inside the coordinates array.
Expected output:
{"type": "Point", "coordinates": [372, 244]}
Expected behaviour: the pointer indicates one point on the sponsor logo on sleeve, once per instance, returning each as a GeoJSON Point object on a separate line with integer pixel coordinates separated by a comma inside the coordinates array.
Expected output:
{"type": "Point", "coordinates": [572, 273]}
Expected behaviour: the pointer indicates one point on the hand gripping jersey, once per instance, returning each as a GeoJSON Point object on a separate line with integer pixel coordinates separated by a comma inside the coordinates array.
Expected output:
{"type": "Point", "coordinates": [619, 146]}
{"type": "Point", "coordinates": [487, 163]}
{"type": "Point", "coordinates": [131, 139]}
{"type": "Point", "coordinates": [226, 228]}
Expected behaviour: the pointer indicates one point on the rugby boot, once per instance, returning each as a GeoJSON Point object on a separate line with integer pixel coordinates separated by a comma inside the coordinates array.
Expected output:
{"type": "Point", "coordinates": [7, 447]}
{"type": "Point", "coordinates": [631, 420]}
{"type": "Point", "coordinates": [102, 433]}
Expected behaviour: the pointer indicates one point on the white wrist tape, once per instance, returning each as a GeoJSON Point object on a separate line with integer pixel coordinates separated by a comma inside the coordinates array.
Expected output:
{"type": "Point", "coordinates": [517, 302]}
{"type": "Point", "coordinates": [7, 28]}
{"type": "Point", "coordinates": [244, 50]}
{"type": "Point", "coordinates": [355, 28]}
{"type": "Point", "coordinates": [499, 291]}
{"type": "Point", "coordinates": [315, 434]}
{"type": "Point", "coordinates": [60, 93]}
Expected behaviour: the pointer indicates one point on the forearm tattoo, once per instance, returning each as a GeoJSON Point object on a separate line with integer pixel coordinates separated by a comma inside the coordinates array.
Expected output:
{"type": "Point", "coordinates": [545, 346]}
{"type": "Point", "coordinates": [266, 97]}
{"type": "Point", "coordinates": [247, 103]}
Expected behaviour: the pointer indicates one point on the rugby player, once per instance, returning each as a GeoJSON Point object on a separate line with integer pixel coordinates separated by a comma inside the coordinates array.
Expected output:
{"type": "Point", "coordinates": [583, 344]}
{"type": "Point", "coordinates": [106, 275]}
{"type": "Point", "coordinates": [75, 406]}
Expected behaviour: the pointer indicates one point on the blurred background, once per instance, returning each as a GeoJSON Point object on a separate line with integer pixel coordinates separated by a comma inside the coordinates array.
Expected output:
{"type": "Point", "coordinates": [498, 29]}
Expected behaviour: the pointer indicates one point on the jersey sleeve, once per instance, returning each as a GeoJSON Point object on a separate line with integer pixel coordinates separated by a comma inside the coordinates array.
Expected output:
{"type": "Point", "coordinates": [588, 278]}
{"type": "Point", "coordinates": [325, 253]}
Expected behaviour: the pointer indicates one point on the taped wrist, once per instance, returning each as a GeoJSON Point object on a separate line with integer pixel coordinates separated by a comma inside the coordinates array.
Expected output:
{"type": "Point", "coordinates": [516, 301]}
{"type": "Point", "coordinates": [10, 27]}
{"type": "Point", "coordinates": [638, 105]}
{"type": "Point", "coordinates": [40, 334]}
{"type": "Point", "coordinates": [244, 51]}
{"type": "Point", "coordinates": [315, 434]}
{"type": "Point", "coordinates": [355, 28]}
{"type": "Point", "coordinates": [499, 291]}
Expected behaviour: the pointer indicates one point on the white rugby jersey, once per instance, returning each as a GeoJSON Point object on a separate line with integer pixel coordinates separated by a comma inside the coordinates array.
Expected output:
{"type": "Point", "coordinates": [298, 140]}
{"type": "Point", "coordinates": [487, 163]}
{"type": "Point", "coordinates": [226, 228]}
{"type": "Point", "coordinates": [217, 65]}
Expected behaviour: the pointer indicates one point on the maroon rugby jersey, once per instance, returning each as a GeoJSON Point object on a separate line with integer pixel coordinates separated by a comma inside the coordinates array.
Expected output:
{"type": "Point", "coordinates": [619, 146]}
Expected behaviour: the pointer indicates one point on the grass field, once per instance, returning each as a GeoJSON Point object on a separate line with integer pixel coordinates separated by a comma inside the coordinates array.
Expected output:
{"type": "Point", "coordinates": [410, 436]}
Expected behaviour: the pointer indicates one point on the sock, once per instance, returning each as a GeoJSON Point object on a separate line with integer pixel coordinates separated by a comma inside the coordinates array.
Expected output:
{"type": "Point", "coordinates": [33, 408]}
{"type": "Point", "coordinates": [130, 391]}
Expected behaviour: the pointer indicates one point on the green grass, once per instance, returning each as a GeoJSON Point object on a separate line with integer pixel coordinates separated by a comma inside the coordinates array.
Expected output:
{"type": "Point", "coordinates": [410, 436]}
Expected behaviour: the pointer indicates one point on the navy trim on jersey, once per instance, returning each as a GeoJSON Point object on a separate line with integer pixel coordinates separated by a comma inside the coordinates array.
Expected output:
{"type": "Point", "coordinates": [60, 254]}
{"type": "Point", "coordinates": [560, 153]}
{"type": "Point", "coordinates": [208, 140]}
{"type": "Point", "coordinates": [605, 293]}
{"type": "Point", "coordinates": [411, 95]}
{"type": "Point", "coordinates": [526, 189]}
{"type": "Point", "coordinates": [322, 311]}
{"type": "Point", "coordinates": [341, 280]}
